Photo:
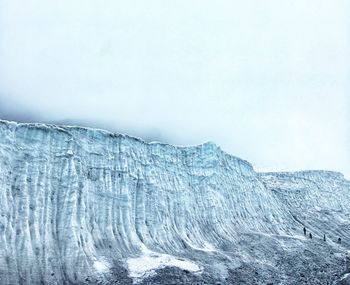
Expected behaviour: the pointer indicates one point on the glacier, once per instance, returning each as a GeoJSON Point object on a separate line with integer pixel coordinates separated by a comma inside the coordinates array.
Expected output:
{"type": "Point", "coordinates": [87, 206]}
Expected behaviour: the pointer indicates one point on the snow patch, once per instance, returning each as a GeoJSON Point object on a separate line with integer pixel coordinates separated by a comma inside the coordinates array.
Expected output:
{"type": "Point", "coordinates": [146, 264]}
{"type": "Point", "coordinates": [345, 276]}
{"type": "Point", "coordinates": [101, 266]}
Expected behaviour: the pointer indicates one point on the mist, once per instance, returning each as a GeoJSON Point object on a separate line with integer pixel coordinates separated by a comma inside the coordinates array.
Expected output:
{"type": "Point", "coordinates": [267, 81]}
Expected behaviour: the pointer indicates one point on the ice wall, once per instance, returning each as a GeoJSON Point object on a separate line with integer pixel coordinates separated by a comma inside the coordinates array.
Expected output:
{"type": "Point", "coordinates": [76, 201]}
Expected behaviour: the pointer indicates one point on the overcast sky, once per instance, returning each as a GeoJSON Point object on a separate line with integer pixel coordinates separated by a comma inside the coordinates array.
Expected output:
{"type": "Point", "coordinates": [268, 81]}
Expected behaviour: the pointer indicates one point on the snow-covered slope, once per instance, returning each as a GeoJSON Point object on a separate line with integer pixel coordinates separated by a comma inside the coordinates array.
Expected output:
{"type": "Point", "coordinates": [81, 205]}
{"type": "Point", "coordinates": [321, 196]}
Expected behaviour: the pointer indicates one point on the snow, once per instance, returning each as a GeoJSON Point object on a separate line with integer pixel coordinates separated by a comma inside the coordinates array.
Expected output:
{"type": "Point", "coordinates": [101, 266]}
{"type": "Point", "coordinates": [146, 264]}
{"type": "Point", "coordinates": [345, 276]}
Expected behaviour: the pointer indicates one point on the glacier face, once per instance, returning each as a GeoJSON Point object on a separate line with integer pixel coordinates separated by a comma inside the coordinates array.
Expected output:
{"type": "Point", "coordinates": [81, 206]}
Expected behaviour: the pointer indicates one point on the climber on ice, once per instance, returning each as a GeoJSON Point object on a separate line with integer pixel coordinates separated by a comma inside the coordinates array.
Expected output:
{"type": "Point", "coordinates": [310, 235]}
{"type": "Point", "coordinates": [324, 237]}
{"type": "Point", "coordinates": [304, 231]}
{"type": "Point", "coordinates": [339, 240]}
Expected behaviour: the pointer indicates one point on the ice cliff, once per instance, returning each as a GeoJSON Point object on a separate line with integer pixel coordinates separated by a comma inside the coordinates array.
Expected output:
{"type": "Point", "coordinates": [82, 206]}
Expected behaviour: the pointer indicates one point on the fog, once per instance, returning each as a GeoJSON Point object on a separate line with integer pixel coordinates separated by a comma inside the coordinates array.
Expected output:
{"type": "Point", "coordinates": [268, 81]}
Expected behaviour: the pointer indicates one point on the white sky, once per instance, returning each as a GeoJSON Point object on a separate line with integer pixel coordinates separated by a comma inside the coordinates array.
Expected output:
{"type": "Point", "coordinates": [269, 81]}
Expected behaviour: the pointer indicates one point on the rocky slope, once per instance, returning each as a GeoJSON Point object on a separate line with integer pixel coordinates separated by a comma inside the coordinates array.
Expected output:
{"type": "Point", "coordinates": [85, 206]}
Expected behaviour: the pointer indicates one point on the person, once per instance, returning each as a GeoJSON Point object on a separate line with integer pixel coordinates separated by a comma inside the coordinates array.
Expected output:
{"type": "Point", "coordinates": [304, 231]}
{"type": "Point", "coordinates": [310, 235]}
{"type": "Point", "coordinates": [324, 237]}
{"type": "Point", "coordinates": [339, 240]}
